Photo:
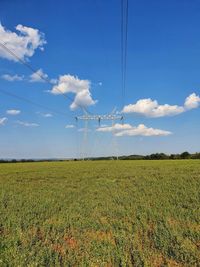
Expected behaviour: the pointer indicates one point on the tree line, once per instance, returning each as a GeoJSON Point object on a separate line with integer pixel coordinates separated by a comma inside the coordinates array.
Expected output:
{"type": "Point", "coordinates": [161, 156]}
{"type": "Point", "coordinates": [155, 156]}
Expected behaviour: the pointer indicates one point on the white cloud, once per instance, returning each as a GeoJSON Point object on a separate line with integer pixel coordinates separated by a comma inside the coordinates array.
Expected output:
{"type": "Point", "coordinates": [38, 76]}
{"type": "Point", "coordinates": [192, 101]}
{"type": "Point", "coordinates": [3, 121]}
{"type": "Point", "coordinates": [53, 81]}
{"type": "Point", "coordinates": [151, 108]}
{"type": "Point", "coordinates": [23, 44]}
{"type": "Point", "coordinates": [81, 89]}
{"type": "Point", "coordinates": [85, 130]}
{"type": "Point", "coordinates": [69, 126]}
{"type": "Point", "coordinates": [129, 130]}
{"type": "Point", "coordinates": [12, 78]}
{"type": "Point", "coordinates": [142, 130]}
{"type": "Point", "coordinates": [104, 125]}
{"type": "Point", "coordinates": [27, 124]}
{"type": "Point", "coordinates": [13, 112]}
{"type": "Point", "coordinates": [116, 127]}
{"type": "Point", "coordinates": [44, 115]}
{"type": "Point", "coordinates": [47, 115]}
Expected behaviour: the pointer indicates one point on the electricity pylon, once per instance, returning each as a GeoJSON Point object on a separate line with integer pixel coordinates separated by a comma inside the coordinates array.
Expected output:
{"type": "Point", "coordinates": [99, 118]}
{"type": "Point", "coordinates": [105, 117]}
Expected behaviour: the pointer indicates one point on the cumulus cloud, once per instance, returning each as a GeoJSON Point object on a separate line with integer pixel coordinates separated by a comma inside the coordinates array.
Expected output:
{"type": "Point", "coordinates": [23, 43]}
{"type": "Point", "coordinates": [12, 78]}
{"type": "Point", "coordinates": [27, 124]}
{"type": "Point", "coordinates": [38, 76]}
{"type": "Point", "coordinates": [192, 101]}
{"type": "Point", "coordinates": [115, 128]}
{"type": "Point", "coordinates": [142, 130]}
{"type": "Point", "coordinates": [151, 108]}
{"type": "Point", "coordinates": [69, 126]}
{"type": "Point", "coordinates": [3, 121]}
{"type": "Point", "coordinates": [13, 112]}
{"type": "Point", "coordinates": [81, 89]}
{"type": "Point", "coordinates": [129, 130]}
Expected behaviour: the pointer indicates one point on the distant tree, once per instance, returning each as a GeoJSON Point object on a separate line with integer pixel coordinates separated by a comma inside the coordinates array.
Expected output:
{"type": "Point", "coordinates": [185, 155]}
{"type": "Point", "coordinates": [163, 156]}
{"type": "Point", "coordinates": [195, 156]}
{"type": "Point", "coordinates": [157, 156]}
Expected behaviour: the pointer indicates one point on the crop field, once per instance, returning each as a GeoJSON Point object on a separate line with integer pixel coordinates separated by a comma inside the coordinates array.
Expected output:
{"type": "Point", "coordinates": [100, 213]}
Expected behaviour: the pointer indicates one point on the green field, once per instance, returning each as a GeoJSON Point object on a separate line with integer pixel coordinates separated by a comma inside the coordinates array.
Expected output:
{"type": "Point", "coordinates": [100, 213]}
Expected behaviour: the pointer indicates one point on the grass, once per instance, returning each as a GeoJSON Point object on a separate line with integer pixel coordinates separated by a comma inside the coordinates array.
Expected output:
{"type": "Point", "coordinates": [105, 213]}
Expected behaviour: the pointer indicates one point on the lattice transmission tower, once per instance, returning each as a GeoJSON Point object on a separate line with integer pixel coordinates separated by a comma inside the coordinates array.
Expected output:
{"type": "Point", "coordinates": [99, 118]}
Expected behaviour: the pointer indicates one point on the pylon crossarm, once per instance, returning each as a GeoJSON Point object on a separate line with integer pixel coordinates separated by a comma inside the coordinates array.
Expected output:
{"type": "Point", "coordinates": [100, 117]}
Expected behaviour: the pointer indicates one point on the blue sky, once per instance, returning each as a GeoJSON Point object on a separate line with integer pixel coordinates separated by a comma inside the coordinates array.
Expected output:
{"type": "Point", "coordinates": [81, 45]}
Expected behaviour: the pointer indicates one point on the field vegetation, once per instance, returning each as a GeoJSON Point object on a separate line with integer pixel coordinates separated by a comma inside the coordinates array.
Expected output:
{"type": "Point", "coordinates": [100, 213]}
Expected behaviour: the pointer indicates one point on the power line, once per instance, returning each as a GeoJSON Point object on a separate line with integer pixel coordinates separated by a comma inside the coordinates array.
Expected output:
{"type": "Point", "coordinates": [122, 49]}
{"type": "Point", "coordinates": [124, 40]}
{"type": "Point", "coordinates": [46, 79]}
{"type": "Point", "coordinates": [32, 102]}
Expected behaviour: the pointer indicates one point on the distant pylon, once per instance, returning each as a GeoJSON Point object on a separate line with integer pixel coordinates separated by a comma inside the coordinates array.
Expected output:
{"type": "Point", "coordinates": [87, 117]}
{"type": "Point", "coordinates": [99, 118]}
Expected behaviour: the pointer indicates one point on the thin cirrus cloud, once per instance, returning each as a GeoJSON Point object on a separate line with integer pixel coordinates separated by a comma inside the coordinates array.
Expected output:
{"type": "Point", "coordinates": [84, 130]}
{"type": "Point", "coordinates": [44, 115]}
{"type": "Point", "coordinates": [72, 84]}
{"type": "Point", "coordinates": [129, 130]}
{"type": "Point", "coordinates": [27, 124]}
{"type": "Point", "coordinates": [13, 112]}
{"type": "Point", "coordinates": [3, 121]}
{"type": "Point", "coordinates": [47, 115]}
{"type": "Point", "coordinates": [69, 126]}
{"type": "Point", "coordinates": [151, 108]}
{"type": "Point", "coordinates": [12, 78]}
{"type": "Point", "coordinates": [24, 42]}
